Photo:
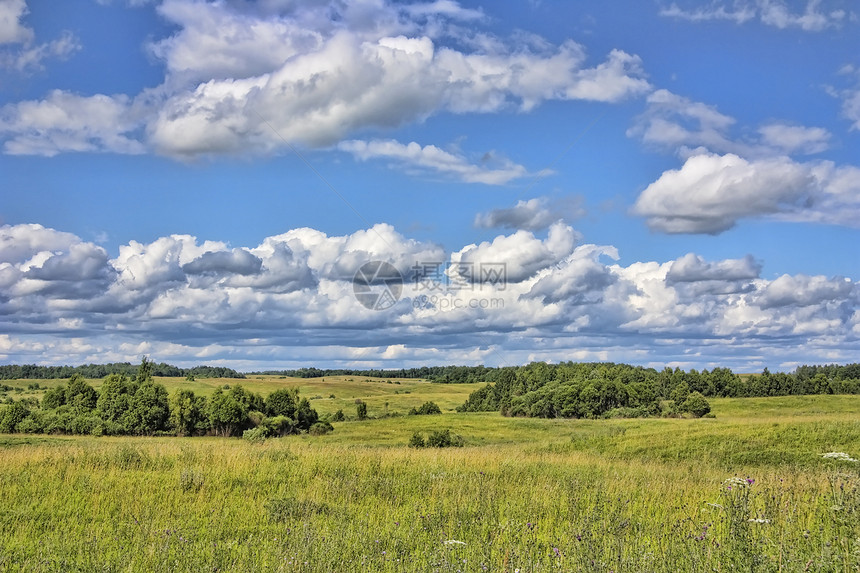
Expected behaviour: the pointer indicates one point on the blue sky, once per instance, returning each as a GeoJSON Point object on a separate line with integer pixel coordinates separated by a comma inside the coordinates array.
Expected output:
{"type": "Point", "coordinates": [662, 182]}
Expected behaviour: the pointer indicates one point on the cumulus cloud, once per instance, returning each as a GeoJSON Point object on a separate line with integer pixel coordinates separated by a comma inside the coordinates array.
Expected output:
{"type": "Point", "coordinates": [17, 48]}
{"type": "Point", "coordinates": [814, 17]}
{"type": "Point", "coordinates": [791, 139]}
{"type": "Point", "coordinates": [184, 300]}
{"type": "Point", "coordinates": [711, 192]}
{"type": "Point", "coordinates": [237, 261]}
{"type": "Point", "coordinates": [805, 291]}
{"type": "Point", "coordinates": [693, 268]}
{"type": "Point", "coordinates": [66, 122]}
{"type": "Point", "coordinates": [677, 123]}
{"type": "Point", "coordinates": [412, 156]}
{"type": "Point", "coordinates": [522, 253]}
{"type": "Point", "coordinates": [12, 31]}
{"type": "Point", "coordinates": [532, 215]}
{"type": "Point", "coordinates": [249, 77]}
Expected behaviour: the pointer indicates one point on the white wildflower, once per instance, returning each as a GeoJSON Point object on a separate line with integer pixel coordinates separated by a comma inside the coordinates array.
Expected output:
{"type": "Point", "coordinates": [453, 542]}
{"type": "Point", "coordinates": [841, 456]}
{"type": "Point", "coordinates": [735, 482]}
{"type": "Point", "coordinates": [758, 520]}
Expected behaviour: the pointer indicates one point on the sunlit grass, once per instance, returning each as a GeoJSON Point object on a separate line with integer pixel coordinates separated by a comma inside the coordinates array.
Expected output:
{"type": "Point", "coordinates": [527, 494]}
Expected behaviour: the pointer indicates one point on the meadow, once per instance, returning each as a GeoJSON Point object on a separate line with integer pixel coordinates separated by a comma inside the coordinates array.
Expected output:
{"type": "Point", "coordinates": [748, 490]}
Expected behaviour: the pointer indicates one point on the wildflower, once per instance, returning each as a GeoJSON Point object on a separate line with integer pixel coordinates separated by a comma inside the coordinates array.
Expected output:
{"type": "Point", "coordinates": [758, 520]}
{"type": "Point", "coordinates": [735, 481]}
{"type": "Point", "coordinates": [453, 542]}
{"type": "Point", "coordinates": [840, 456]}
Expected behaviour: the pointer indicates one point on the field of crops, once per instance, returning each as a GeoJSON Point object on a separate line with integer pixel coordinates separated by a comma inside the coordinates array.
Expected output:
{"type": "Point", "coordinates": [748, 490]}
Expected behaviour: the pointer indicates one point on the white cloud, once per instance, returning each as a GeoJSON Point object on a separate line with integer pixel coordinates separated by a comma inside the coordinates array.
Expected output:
{"type": "Point", "coordinates": [67, 122]}
{"type": "Point", "coordinates": [693, 268]}
{"type": "Point", "coordinates": [532, 215]}
{"type": "Point", "coordinates": [490, 171]}
{"type": "Point", "coordinates": [677, 123]}
{"type": "Point", "coordinates": [710, 192]}
{"type": "Point", "coordinates": [17, 48]}
{"type": "Point", "coordinates": [791, 139]}
{"type": "Point", "coordinates": [522, 253]}
{"type": "Point", "coordinates": [11, 29]}
{"type": "Point", "coordinates": [247, 78]}
{"type": "Point", "coordinates": [770, 12]}
{"type": "Point", "coordinates": [65, 300]}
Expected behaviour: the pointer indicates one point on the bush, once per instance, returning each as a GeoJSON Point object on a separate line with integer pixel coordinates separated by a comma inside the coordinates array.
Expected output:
{"type": "Point", "coordinates": [425, 409]}
{"type": "Point", "coordinates": [255, 435]}
{"type": "Point", "coordinates": [417, 440]}
{"type": "Point", "coordinates": [444, 439]}
{"type": "Point", "coordinates": [320, 429]}
{"type": "Point", "coordinates": [12, 416]}
{"type": "Point", "coordinates": [696, 404]}
{"type": "Point", "coordinates": [338, 416]}
{"type": "Point", "coordinates": [361, 411]}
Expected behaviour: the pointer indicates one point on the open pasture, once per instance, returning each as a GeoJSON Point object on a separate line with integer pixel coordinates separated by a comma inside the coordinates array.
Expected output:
{"type": "Point", "coordinates": [748, 490]}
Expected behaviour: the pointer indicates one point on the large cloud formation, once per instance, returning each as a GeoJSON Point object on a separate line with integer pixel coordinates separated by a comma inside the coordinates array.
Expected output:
{"type": "Point", "coordinates": [258, 77]}
{"type": "Point", "coordinates": [724, 179]}
{"type": "Point", "coordinates": [290, 300]}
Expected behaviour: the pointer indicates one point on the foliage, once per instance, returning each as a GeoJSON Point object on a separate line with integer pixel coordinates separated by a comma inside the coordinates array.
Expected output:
{"type": "Point", "coordinates": [361, 411]}
{"type": "Point", "coordinates": [425, 409]}
{"type": "Point", "coordinates": [187, 413]}
{"type": "Point", "coordinates": [32, 371]}
{"type": "Point", "coordinates": [417, 440]}
{"type": "Point", "coordinates": [696, 404]}
{"type": "Point", "coordinates": [444, 439]}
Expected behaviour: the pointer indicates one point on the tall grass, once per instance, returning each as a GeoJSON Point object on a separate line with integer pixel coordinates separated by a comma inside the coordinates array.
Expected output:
{"type": "Point", "coordinates": [528, 495]}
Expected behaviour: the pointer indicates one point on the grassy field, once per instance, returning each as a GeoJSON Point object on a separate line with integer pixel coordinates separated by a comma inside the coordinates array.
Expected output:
{"type": "Point", "coordinates": [746, 491]}
{"type": "Point", "coordinates": [401, 394]}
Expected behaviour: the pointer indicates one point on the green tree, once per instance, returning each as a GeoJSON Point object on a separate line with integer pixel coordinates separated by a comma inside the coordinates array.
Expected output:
{"type": "Point", "coordinates": [696, 404]}
{"type": "Point", "coordinates": [80, 395]}
{"type": "Point", "coordinates": [227, 416]}
{"type": "Point", "coordinates": [54, 398]}
{"type": "Point", "coordinates": [361, 410]}
{"type": "Point", "coordinates": [187, 413]}
{"type": "Point", "coordinates": [282, 403]}
{"type": "Point", "coordinates": [12, 416]}
{"type": "Point", "coordinates": [305, 415]}
{"type": "Point", "coordinates": [149, 409]}
{"type": "Point", "coordinates": [115, 397]}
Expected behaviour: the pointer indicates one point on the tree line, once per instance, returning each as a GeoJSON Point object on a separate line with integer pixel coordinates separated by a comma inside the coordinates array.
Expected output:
{"type": "Point", "coordinates": [33, 371]}
{"type": "Point", "coordinates": [137, 405]}
{"type": "Point", "coordinates": [439, 374]}
{"type": "Point", "coordinates": [591, 390]}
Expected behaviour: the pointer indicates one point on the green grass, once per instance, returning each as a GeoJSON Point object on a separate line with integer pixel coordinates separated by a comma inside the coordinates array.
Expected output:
{"type": "Point", "coordinates": [527, 494]}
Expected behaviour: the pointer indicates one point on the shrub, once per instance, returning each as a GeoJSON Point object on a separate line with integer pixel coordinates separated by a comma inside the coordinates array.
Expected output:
{"type": "Point", "coordinates": [255, 435]}
{"type": "Point", "coordinates": [425, 409]}
{"type": "Point", "coordinates": [696, 404]}
{"type": "Point", "coordinates": [417, 440]}
{"type": "Point", "coordinates": [338, 416]}
{"type": "Point", "coordinates": [320, 429]}
{"type": "Point", "coordinates": [12, 416]}
{"type": "Point", "coordinates": [444, 439]}
{"type": "Point", "coordinates": [361, 411]}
